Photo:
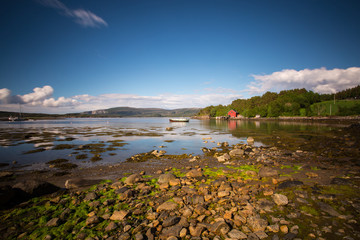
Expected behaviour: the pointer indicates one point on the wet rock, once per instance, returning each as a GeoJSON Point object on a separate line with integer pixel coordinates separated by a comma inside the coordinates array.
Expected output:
{"type": "Point", "coordinates": [167, 206]}
{"type": "Point", "coordinates": [280, 199]}
{"type": "Point", "coordinates": [132, 179]}
{"type": "Point", "coordinates": [157, 153]}
{"type": "Point", "coordinates": [166, 178]}
{"type": "Point", "coordinates": [250, 140]}
{"type": "Point", "coordinates": [119, 215]}
{"type": "Point", "coordinates": [237, 234]}
{"type": "Point", "coordinates": [288, 184]}
{"type": "Point", "coordinates": [268, 172]}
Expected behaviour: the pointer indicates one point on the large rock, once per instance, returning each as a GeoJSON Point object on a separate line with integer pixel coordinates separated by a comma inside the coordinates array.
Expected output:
{"type": "Point", "coordinates": [36, 188]}
{"type": "Point", "coordinates": [256, 223]}
{"type": "Point", "coordinates": [132, 179]}
{"type": "Point", "coordinates": [328, 209]}
{"type": "Point", "coordinates": [236, 152]}
{"type": "Point", "coordinates": [268, 172]}
{"type": "Point", "coordinates": [76, 183]}
{"type": "Point", "coordinates": [290, 183]}
{"type": "Point", "coordinates": [220, 227]}
{"type": "Point", "coordinates": [280, 199]}
{"type": "Point", "coordinates": [167, 206]}
{"type": "Point", "coordinates": [166, 178]}
{"type": "Point", "coordinates": [237, 234]}
{"type": "Point", "coordinates": [223, 158]}
{"type": "Point", "coordinates": [194, 173]}
{"type": "Point", "coordinates": [119, 215]}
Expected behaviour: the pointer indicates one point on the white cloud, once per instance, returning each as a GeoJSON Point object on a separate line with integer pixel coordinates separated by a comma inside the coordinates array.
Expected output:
{"type": "Point", "coordinates": [318, 80]}
{"type": "Point", "coordinates": [83, 17]}
{"type": "Point", "coordinates": [41, 100]}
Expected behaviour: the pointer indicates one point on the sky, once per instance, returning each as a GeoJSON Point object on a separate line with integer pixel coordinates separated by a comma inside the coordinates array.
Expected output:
{"type": "Point", "coordinates": [63, 56]}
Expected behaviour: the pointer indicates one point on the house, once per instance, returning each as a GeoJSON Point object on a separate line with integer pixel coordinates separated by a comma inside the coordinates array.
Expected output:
{"type": "Point", "coordinates": [232, 113]}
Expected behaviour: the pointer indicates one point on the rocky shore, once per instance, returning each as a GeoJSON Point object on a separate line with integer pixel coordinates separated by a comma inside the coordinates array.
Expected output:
{"type": "Point", "coordinates": [230, 192]}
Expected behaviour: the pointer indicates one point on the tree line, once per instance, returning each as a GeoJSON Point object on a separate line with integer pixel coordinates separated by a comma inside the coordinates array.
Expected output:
{"type": "Point", "coordinates": [295, 102]}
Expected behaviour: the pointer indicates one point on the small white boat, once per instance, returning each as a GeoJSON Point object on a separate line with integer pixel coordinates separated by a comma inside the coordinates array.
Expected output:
{"type": "Point", "coordinates": [179, 120]}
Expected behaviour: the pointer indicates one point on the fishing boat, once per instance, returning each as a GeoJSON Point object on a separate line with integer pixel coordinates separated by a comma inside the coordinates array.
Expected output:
{"type": "Point", "coordinates": [179, 120]}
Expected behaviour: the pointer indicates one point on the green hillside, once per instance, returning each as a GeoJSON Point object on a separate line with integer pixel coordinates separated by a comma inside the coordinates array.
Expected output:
{"type": "Point", "coordinates": [144, 112]}
{"type": "Point", "coordinates": [337, 108]}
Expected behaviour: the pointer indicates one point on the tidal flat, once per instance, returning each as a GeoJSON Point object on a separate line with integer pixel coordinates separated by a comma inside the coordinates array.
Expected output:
{"type": "Point", "coordinates": [294, 183]}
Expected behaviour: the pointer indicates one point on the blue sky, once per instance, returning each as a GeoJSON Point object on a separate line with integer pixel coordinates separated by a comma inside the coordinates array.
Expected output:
{"type": "Point", "coordinates": [61, 56]}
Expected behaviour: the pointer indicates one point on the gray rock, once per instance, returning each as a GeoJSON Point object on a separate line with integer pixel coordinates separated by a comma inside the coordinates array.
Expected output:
{"type": "Point", "coordinates": [237, 234]}
{"type": "Point", "coordinates": [268, 172]}
{"type": "Point", "coordinates": [223, 158]}
{"type": "Point", "coordinates": [166, 178]}
{"type": "Point", "coordinates": [280, 199]}
{"type": "Point", "coordinates": [252, 236]}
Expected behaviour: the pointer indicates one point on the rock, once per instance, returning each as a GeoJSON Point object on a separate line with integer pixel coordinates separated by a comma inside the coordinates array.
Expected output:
{"type": "Point", "coordinates": [273, 228]}
{"type": "Point", "coordinates": [171, 231]}
{"type": "Point", "coordinates": [236, 152]}
{"type": "Point", "coordinates": [170, 221]}
{"type": "Point", "coordinates": [250, 140]}
{"type": "Point", "coordinates": [53, 222]}
{"type": "Point", "coordinates": [280, 199]}
{"type": "Point", "coordinates": [194, 173]}
{"type": "Point", "coordinates": [36, 188]}
{"type": "Point", "coordinates": [237, 234]}
{"type": "Point", "coordinates": [11, 196]}
{"type": "Point", "coordinates": [328, 209]}
{"type": "Point", "coordinates": [268, 172]}
{"type": "Point", "coordinates": [76, 183]}
{"type": "Point", "coordinates": [312, 175]}
{"type": "Point", "coordinates": [196, 231]}
{"type": "Point", "coordinates": [340, 181]}
{"type": "Point", "coordinates": [166, 178]}
{"type": "Point", "coordinates": [252, 236]}
{"type": "Point", "coordinates": [157, 153]}
{"type": "Point", "coordinates": [220, 227]}
{"type": "Point", "coordinates": [255, 223]}
{"type": "Point", "coordinates": [288, 184]}
{"type": "Point", "coordinates": [90, 196]}
{"type": "Point", "coordinates": [119, 215]}
{"type": "Point", "coordinates": [92, 220]}
{"type": "Point", "coordinates": [223, 158]}
{"type": "Point", "coordinates": [124, 236]}
{"type": "Point", "coordinates": [6, 174]}
{"type": "Point", "coordinates": [132, 179]}
{"type": "Point", "coordinates": [111, 226]}
{"type": "Point", "coordinates": [261, 234]}
{"type": "Point", "coordinates": [284, 229]}
{"type": "Point", "coordinates": [167, 206]}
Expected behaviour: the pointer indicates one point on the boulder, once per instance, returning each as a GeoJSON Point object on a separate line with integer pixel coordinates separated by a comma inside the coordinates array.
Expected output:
{"type": "Point", "coordinates": [236, 152]}
{"type": "Point", "coordinates": [119, 215]}
{"type": "Point", "coordinates": [167, 206]}
{"type": "Point", "coordinates": [237, 234]}
{"type": "Point", "coordinates": [166, 178]}
{"type": "Point", "coordinates": [132, 179]}
{"type": "Point", "coordinates": [223, 158]}
{"type": "Point", "coordinates": [280, 199]}
{"type": "Point", "coordinates": [76, 183]}
{"type": "Point", "coordinates": [256, 223]}
{"type": "Point", "coordinates": [289, 183]}
{"type": "Point", "coordinates": [194, 173]}
{"type": "Point", "coordinates": [220, 227]}
{"type": "Point", "coordinates": [250, 140]}
{"type": "Point", "coordinates": [36, 188]}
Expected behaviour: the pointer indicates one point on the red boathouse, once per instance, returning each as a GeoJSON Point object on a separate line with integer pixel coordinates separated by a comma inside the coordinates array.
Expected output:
{"type": "Point", "coordinates": [232, 113]}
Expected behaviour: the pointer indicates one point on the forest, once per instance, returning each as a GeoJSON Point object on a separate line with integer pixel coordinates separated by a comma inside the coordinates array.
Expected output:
{"type": "Point", "coordinates": [295, 102]}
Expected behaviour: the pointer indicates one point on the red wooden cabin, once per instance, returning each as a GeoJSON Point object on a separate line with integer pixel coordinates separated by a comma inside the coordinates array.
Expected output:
{"type": "Point", "coordinates": [232, 113]}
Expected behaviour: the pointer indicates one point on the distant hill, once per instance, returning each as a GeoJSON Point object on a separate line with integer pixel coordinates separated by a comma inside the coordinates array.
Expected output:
{"type": "Point", "coordinates": [143, 112]}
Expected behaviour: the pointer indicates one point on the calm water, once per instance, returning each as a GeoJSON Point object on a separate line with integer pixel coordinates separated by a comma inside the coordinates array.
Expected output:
{"type": "Point", "coordinates": [33, 144]}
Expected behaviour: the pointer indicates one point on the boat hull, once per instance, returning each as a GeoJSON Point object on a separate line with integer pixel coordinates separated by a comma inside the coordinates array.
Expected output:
{"type": "Point", "coordinates": [179, 120]}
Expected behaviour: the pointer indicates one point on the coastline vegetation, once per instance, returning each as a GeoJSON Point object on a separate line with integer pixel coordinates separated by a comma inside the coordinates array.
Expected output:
{"type": "Point", "coordinates": [296, 102]}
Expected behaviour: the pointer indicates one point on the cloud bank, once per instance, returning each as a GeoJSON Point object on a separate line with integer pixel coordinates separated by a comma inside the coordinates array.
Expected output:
{"type": "Point", "coordinates": [41, 101]}
{"type": "Point", "coordinates": [318, 80]}
{"type": "Point", "coordinates": [83, 17]}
